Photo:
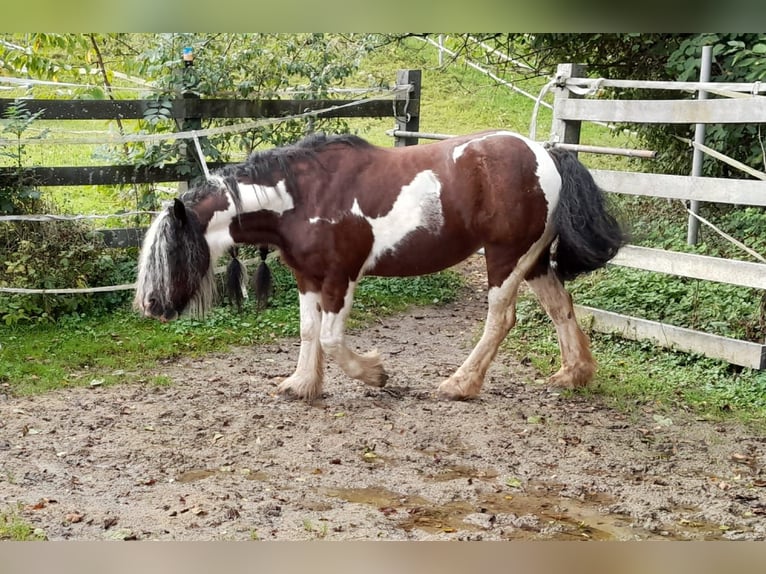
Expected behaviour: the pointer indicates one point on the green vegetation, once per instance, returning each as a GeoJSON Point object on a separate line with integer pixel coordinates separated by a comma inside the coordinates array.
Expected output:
{"type": "Point", "coordinates": [15, 528]}
{"type": "Point", "coordinates": [632, 374]}
{"type": "Point", "coordinates": [120, 346]}
{"type": "Point", "coordinates": [103, 342]}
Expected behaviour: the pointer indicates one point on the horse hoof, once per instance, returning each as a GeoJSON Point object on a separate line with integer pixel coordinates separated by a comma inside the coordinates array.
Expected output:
{"type": "Point", "coordinates": [450, 391]}
{"type": "Point", "coordinates": [572, 378]}
{"type": "Point", "coordinates": [298, 389]}
{"type": "Point", "coordinates": [378, 381]}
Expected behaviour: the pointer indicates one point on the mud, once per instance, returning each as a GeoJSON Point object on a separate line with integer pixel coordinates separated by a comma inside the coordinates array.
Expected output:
{"type": "Point", "coordinates": [218, 455]}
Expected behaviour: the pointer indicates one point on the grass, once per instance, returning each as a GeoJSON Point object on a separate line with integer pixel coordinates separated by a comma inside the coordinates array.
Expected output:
{"type": "Point", "coordinates": [632, 374]}
{"type": "Point", "coordinates": [15, 528]}
{"type": "Point", "coordinates": [123, 347]}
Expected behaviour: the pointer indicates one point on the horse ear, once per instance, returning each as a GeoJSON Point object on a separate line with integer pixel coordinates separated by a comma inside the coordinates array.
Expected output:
{"type": "Point", "coordinates": [179, 211]}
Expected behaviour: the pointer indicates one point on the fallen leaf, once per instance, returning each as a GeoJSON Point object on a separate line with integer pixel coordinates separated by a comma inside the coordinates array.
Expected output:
{"type": "Point", "coordinates": [110, 521]}
{"type": "Point", "coordinates": [513, 482]}
{"type": "Point", "coordinates": [123, 534]}
{"type": "Point", "coordinates": [663, 421]}
{"type": "Point", "coordinates": [73, 517]}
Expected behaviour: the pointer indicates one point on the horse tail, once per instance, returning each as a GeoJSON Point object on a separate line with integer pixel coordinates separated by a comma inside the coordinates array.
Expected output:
{"type": "Point", "coordinates": [588, 234]}
{"type": "Point", "coordinates": [236, 274]}
{"type": "Point", "coordinates": [262, 280]}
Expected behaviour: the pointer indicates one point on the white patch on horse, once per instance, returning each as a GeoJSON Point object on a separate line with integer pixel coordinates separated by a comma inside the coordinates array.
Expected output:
{"type": "Point", "coordinates": [314, 220]}
{"type": "Point", "coordinates": [547, 174]}
{"type": "Point", "coordinates": [252, 198]}
{"type": "Point", "coordinates": [458, 150]}
{"type": "Point", "coordinates": [417, 206]}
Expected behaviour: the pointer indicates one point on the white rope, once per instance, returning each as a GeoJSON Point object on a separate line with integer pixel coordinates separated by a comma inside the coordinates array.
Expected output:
{"type": "Point", "coordinates": [234, 128]}
{"type": "Point", "coordinates": [536, 109]}
{"type": "Point", "coordinates": [50, 217]}
{"type": "Point", "coordinates": [724, 158]}
{"type": "Point", "coordinates": [146, 86]}
{"type": "Point", "coordinates": [72, 291]}
{"type": "Point", "coordinates": [726, 236]}
{"type": "Point", "coordinates": [87, 290]}
{"type": "Point", "coordinates": [486, 72]}
{"type": "Point", "coordinates": [201, 156]}
{"type": "Point", "coordinates": [588, 90]}
{"type": "Point", "coordinates": [750, 87]}
{"type": "Point", "coordinates": [502, 56]}
{"type": "Point", "coordinates": [27, 82]}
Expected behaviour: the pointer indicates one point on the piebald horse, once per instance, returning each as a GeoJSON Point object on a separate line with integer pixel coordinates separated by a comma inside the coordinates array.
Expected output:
{"type": "Point", "coordinates": [338, 208]}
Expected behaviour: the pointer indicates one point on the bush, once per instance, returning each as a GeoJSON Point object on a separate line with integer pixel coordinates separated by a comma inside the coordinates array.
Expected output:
{"type": "Point", "coordinates": [55, 255]}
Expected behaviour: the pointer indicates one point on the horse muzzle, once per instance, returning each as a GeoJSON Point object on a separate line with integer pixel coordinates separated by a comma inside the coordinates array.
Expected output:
{"type": "Point", "coordinates": [153, 309]}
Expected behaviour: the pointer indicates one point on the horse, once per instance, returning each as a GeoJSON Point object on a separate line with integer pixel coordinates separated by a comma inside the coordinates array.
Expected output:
{"type": "Point", "coordinates": [337, 208]}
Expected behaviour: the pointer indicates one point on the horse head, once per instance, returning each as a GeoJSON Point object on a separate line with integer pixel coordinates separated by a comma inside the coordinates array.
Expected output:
{"type": "Point", "coordinates": [175, 271]}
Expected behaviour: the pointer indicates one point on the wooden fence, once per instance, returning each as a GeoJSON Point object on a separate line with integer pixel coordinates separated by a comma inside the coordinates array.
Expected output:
{"type": "Point", "coordinates": [570, 110]}
{"type": "Point", "coordinates": [405, 108]}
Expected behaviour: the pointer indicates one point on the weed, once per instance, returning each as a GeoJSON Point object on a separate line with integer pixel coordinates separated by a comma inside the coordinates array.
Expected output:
{"type": "Point", "coordinates": [15, 528]}
{"type": "Point", "coordinates": [318, 532]}
{"type": "Point", "coordinates": [635, 373]}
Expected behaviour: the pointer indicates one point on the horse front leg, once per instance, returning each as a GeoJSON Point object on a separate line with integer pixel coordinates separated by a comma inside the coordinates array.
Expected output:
{"type": "Point", "coordinates": [306, 381]}
{"type": "Point", "coordinates": [337, 303]}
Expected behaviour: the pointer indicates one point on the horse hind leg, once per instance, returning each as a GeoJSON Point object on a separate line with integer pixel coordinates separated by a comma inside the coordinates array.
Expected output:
{"type": "Point", "coordinates": [505, 273]}
{"type": "Point", "coordinates": [577, 363]}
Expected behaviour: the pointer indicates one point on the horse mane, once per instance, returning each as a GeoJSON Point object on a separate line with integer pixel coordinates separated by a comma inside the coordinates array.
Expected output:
{"type": "Point", "coordinates": [262, 166]}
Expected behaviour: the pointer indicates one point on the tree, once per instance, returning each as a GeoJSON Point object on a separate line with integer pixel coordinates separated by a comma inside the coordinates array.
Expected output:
{"type": "Point", "coordinates": [737, 57]}
{"type": "Point", "coordinates": [224, 65]}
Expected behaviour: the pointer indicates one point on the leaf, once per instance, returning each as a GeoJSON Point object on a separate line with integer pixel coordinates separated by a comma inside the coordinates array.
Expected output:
{"type": "Point", "coordinates": [513, 482]}
{"type": "Point", "coordinates": [663, 421]}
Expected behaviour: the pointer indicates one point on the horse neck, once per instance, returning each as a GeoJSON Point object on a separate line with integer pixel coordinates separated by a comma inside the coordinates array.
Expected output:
{"type": "Point", "coordinates": [252, 198]}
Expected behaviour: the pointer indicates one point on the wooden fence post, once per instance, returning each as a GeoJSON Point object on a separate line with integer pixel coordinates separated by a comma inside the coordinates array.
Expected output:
{"type": "Point", "coordinates": [188, 122]}
{"type": "Point", "coordinates": [407, 106]}
{"type": "Point", "coordinates": [565, 131]}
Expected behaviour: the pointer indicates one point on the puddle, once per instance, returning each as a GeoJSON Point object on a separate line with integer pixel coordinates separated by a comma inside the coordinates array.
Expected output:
{"type": "Point", "coordinates": [195, 475]}
{"type": "Point", "coordinates": [521, 516]}
{"type": "Point", "coordinates": [201, 474]}
{"type": "Point", "coordinates": [460, 471]}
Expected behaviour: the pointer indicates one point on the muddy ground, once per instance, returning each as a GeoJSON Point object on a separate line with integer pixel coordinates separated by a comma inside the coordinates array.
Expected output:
{"type": "Point", "coordinates": [218, 455]}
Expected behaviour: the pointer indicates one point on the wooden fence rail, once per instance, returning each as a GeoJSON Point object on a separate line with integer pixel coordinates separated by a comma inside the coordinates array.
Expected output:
{"type": "Point", "coordinates": [570, 109]}
{"type": "Point", "coordinates": [404, 105]}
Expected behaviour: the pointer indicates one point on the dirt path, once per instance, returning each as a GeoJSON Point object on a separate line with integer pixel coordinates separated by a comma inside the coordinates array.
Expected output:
{"type": "Point", "coordinates": [218, 455]}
